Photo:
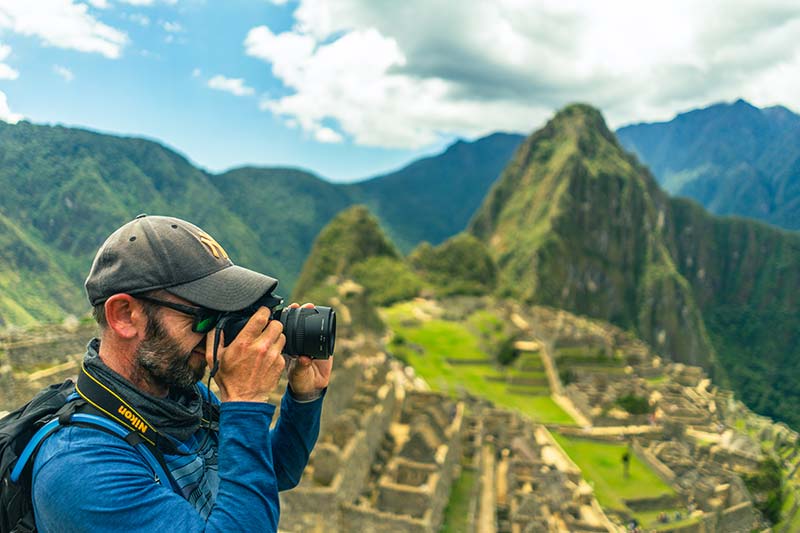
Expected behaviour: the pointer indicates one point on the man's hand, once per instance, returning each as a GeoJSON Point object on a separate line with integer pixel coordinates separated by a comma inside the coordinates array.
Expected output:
{"type": "Point", "coordinates": [308, 376]}
{"type": "Point", "coordinates": [250, 367]}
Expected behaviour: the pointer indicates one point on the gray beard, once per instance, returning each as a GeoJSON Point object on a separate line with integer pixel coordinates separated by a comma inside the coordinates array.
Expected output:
{"type": "Point", "coordinates": [162, 362]}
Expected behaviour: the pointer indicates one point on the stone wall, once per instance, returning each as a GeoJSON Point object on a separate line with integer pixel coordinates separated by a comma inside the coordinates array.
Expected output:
{"type": "Point", "coordinates": [340, 463]}
{"type": "Point", "coordinates": [410, 492]}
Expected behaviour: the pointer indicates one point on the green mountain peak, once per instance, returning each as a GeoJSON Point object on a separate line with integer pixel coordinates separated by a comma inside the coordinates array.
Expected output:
{"type": "Point", "coordinates": [353, 236]}
{"type": "Point", "coordinates": [576, 223]}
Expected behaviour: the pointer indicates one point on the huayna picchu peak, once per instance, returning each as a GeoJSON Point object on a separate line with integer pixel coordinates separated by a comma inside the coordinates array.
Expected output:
{"type": "Point", "coordinates": [576, 222]}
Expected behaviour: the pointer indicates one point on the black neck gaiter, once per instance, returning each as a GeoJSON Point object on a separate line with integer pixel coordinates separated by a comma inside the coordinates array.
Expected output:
{"type": "Point", "coordinates": [178, 415]}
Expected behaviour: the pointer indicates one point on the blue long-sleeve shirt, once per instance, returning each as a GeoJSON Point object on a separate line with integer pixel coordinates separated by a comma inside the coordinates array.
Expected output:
{"type": "Point", "coordinates": [85, 479]}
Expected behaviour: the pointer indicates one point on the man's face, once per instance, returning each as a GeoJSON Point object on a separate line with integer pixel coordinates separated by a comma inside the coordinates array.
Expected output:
{"type": "Point", "coordinates": [171, 354]}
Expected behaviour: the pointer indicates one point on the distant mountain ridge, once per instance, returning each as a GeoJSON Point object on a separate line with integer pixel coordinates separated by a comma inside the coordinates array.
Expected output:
{"type": "Point", "coordinates": [433, 198]}
{"type": "Point", "coordinates": [66, 189]}
{"type": "Point", "coordinates": [735, 159]}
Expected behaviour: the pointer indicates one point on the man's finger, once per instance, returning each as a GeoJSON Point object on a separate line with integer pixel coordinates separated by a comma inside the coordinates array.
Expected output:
{"type": "Point", "coordinates": [256, 324]}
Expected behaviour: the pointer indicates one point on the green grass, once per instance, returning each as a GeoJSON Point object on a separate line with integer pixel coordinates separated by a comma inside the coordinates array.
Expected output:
{"type": "Point", "coordinates": [456, 515]}
{"type": "Point", "coordinates": [441, 340]}
{"type": "Point", "coordinates": [601, 464]}
{"type": "Point", "coordinates": [788, 523]}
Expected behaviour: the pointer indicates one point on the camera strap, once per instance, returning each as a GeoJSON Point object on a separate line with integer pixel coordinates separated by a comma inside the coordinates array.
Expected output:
{"type": "Point", "coordinates": [105, 400]}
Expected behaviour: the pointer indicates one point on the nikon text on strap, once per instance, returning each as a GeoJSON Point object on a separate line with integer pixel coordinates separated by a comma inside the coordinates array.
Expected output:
{"type": "Point", "coordinates": [108, 402]}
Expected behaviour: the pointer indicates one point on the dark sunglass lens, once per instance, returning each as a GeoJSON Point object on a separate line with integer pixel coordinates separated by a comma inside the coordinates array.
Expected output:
{"type": "Point", "coordinates": [205, 324]}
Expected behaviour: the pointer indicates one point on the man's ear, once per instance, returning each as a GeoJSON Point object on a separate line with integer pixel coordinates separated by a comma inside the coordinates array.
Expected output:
{"type": "Point", "coordinates": [125, 316]}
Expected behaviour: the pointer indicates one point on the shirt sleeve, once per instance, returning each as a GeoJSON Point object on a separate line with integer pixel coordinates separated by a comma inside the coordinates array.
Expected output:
{"type": "Point", "coordinates": [293, 438]}
{"type": "Point", "coordinates": [88, 480]}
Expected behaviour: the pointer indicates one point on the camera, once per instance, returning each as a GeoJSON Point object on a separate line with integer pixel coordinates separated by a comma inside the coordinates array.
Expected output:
{"type": "Point", "coordinates": [310, 332]}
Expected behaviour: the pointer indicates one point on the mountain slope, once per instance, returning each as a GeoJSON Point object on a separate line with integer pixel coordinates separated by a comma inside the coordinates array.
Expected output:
{"type": "Point", "coordinates": [744, 276]}
{"type": "Point", "coordinates": [286, 208]}
{"type": "Point", "coordinates": [433, 198]}
{"type": "Point", "coordinates": [574, 223]}
{"type": "Point", "coordinates": [67, 189]}
{"type": "Point", "coordinates": [732, 158]}
{"type": "Point", "coordinates": [351, 237]}
{"type": "Point", "coordinates": [577, 223]}
{"type": "Point", "coordinates": [32, 287]}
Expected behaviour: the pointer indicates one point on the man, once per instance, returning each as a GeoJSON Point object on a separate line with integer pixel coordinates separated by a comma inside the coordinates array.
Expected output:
{"type": "Point", "coordinates": [157, 286]}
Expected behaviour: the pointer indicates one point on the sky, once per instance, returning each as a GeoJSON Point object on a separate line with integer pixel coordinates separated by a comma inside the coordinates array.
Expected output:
{"type": "Point", "coordinates": [350, 89]}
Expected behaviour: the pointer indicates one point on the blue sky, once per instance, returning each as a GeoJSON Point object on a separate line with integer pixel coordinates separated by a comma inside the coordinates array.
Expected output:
{"type": "Point", "coordinates": [352, 88]}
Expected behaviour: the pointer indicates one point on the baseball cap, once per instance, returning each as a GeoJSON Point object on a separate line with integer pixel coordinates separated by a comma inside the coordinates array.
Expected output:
{"type": "Point", "coordinates": [157, 252]}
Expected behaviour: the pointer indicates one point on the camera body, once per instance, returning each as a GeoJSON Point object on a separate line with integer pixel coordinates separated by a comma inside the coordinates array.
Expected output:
{"type": "Point", "coordinates": [308, 331]}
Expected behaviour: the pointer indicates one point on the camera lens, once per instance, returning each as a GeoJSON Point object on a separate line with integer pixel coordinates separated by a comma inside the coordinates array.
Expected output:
{"type": "Point", "coordinates": [308, 331]}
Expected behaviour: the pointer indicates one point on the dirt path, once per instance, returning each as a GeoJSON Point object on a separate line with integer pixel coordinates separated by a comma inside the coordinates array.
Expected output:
{"type": "Point", "coordinates": [557, 389]}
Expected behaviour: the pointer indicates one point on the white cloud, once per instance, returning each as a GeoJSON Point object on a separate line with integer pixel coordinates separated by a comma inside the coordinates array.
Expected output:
{"type": "Point", "coordinates": [402, 74]}
{"type": "Point", "coordinates": [99, 4]}
{"type": "Point", "coordinates": [6, 114]}
{"type": "Point", "coordinates": [171, 27]}
{"type": "Point", "coordinates": [63, 24]}
{"type": "Point", "coordinates": [196, 73]}
{"type": "Point", "coordinates": [234, 86]}
{"type": "Point", "coordinates": [141, 20]}
{"type": "Point", "coordinates": [64, 72]}
{"type": "Point", "coordinates": [278, 2]}
{"type": "Point", "coordinates": [6, 72]}
{"type": "Point", "coordinates": [327, 135]}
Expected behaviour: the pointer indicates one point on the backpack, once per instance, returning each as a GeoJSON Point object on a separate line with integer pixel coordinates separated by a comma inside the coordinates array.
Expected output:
{"type": "Point", "coordinates": [22, 433]}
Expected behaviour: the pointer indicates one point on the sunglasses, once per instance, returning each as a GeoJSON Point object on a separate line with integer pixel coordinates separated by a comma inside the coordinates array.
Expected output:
{"type": "Point", "coordinates": [204, 319]}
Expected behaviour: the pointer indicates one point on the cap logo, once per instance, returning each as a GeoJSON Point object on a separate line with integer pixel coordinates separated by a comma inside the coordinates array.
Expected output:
{"type": "Point", "coordinates": [213, 246]}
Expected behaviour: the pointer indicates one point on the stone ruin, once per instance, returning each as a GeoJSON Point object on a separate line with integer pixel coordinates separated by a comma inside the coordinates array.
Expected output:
{"type": "Point", "coordinates": [32, 359]}
{"type": "Point", "coordinates": [359, 408]}
{"type": "Point", "coordinates": [388, 453]}
{"type": "Point", "coordinates": [706, 479]}
{"type": "Point", "coordinates": [409, 486]}
{"type": "Point", "coordinates": [525, 481]}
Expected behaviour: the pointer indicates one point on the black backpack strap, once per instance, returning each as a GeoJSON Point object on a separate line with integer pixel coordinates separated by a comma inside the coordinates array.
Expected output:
{"type": "Point", "coordinates": [26, 524]}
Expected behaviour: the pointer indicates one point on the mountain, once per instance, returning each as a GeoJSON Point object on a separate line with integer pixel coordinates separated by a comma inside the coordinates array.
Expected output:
{"type": "Point", "coordinates": [32, 287]}
{"type": "Point", "coordinates": [574, 223]}
{"type": "Point", "coordinates": [285, 208]}
{"type": "Point", "coordinates": [433, 198]}
{"type": "Point", "coordinates": [66, 189]}
{"type": "Point", "coordinates": [577, 223]}
{"type": "Point", "coordinates": [735, 159]}
{"type": "Point", "coordinates": [354, 265]}
{"type": "Point", "coordinates": [460, 265]}
{"type": "Point", "coordinates": [354, 247]}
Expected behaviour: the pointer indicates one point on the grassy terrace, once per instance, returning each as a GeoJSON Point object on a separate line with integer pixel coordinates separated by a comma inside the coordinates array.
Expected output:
{"type": "Point", "coordinates": [601, 464]}
{"type": "Point", "coordinates": [434, 347]}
